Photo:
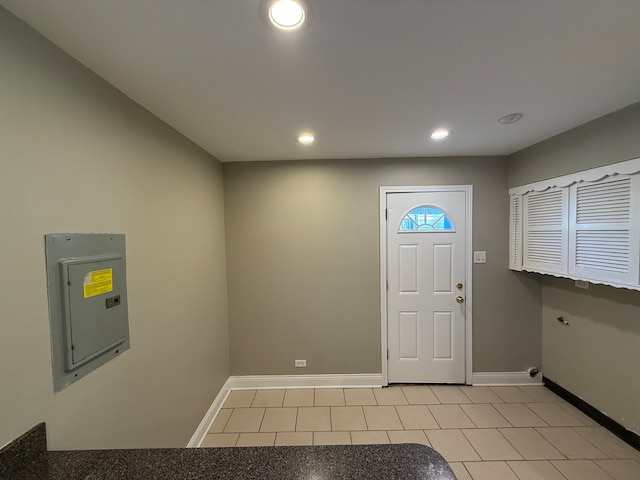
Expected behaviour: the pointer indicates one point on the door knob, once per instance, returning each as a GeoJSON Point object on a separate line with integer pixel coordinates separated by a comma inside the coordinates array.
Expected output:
{"type": "Point", "coordinates": [459, 299]}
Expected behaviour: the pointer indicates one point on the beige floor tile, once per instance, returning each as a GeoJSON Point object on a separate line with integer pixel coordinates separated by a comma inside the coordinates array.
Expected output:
{"type": "Point", "coordinates": [416, 417]}
{"type": "Point", "coordinates": [382, 418]}
{"type": "Point", "coordinates": [331, 438]}
{"type": "Point", "coordinates": [390, 396]}
{"type": "Point", "coordinates": [347, 418]}
{"type": "Point", "coordinates": [221, 420]}
{"type": "Point", "coordinates": [449, 394]}
{"type": "Point", "coordinates": [369, 438]}
{"type": "Point", "coordinates": [535, 470]}
{"type": "Point", "coordinates": [294, 438]}
{"type": "Point", "coordinates": [450, 416]}
{"type": "Point", "coordinates": [279, 420]}
{"type": "Point", "coordinates": [484, 415]}
{"type": "Point", "coordinates": [268, 398]}
{"type": "Point", "coordinates": [244, 420]}
{"type": "Point", "coordinates": [480, 394]}
{"type": "Point", "coordinates": [565, 443]}
{"type": "Point", "coordinates": [580, 470]}
{"type": "Point", "coordinates": [312, 419]}
{"type": "Point", "coordinates": [608, 443]}
{"type": "Point", "coordinates": [490, 471]}
{"type": "Point", "coordinates": [298, 397]}
{"type": "Point", "coordinates": [621, 469]}
{"type": "Point", "coordinates": [256, 440]}
{"type": "Point", "coordinates": [554, 414]}
{"type": "Point", "coordinates": [584, 418]}
{"type": "Point", "coordinates": [329, 397]}
{"type": "Point", "coordinates": [512, 394]}
{"type": "Point", "coordinates": [220, 440]}
{"type": "Point", "coordinates": [452, 445]}
{"type": "Point", "coordinates": [530, 444]}
{"type": "Point", "coordinates": [408, 436]}
{"type": "Point", "coordinates": [239, 398]}
{"type": "Point", "coordinates": [519, 415]}
{"type": "Point", "coordinates": [359, 396]}
{"type": "Point", "coordinates": [460, 471]}
{"type": "Point", "coordinates": [572, 445]}
{"type": "Point", "coordinates": [490, 444]}
{"type": "Point", "coordinates": [542, 394]}
{"type": "Point", "coordinates": [420, 395]}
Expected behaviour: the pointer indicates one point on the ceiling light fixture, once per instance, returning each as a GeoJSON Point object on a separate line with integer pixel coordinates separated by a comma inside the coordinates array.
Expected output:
{"type": "Point", "coordinates": [511, 118]}
{"type": "Point", "coordinates": [439, 134]}
{"type": "Point", "coordinates": [287, 14]}
{"type": "Point", "coordinates": [306, 138]}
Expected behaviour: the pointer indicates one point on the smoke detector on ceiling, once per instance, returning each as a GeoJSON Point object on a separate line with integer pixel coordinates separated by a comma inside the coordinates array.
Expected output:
{"type": "Point", "coordinates": [511, 118]}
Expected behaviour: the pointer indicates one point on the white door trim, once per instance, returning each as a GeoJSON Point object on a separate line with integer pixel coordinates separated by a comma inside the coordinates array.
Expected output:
{"type": "Point", "coordinates": [468, 189]}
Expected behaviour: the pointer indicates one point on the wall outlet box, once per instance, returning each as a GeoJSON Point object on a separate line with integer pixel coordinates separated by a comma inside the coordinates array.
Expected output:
{"type": "Point", "coordinates": [300, 363]}
{"type": "Point", "coordinates": [582, 284]}
{"type": "Point", "coordinates": [480, 257]}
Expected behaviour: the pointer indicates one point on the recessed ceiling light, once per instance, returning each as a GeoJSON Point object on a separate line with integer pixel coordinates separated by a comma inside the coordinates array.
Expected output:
{"type": "Point", "coordinates": [287, 14]}
{"type": "Point", "coordinates": [306, 138]}
{"type": "Point", "coordinates": [511, 118]}
{"type": "Point", "coordinates": [440, 133]}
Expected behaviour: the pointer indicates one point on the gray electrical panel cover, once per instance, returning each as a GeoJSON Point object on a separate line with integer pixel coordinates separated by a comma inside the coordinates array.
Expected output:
{"type": "Point", "coordinates": [87, 288]}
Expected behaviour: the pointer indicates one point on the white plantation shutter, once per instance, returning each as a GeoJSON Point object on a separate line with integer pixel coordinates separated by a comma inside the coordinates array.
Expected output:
{"type": "Point", "coordinates": [604, 230]}
{"type": "Point", "coordinates": [515, 232]}
{"type": "Point", "coordinates": [584, 225]}
{"type": "Point", "coordinates": [545, 230]}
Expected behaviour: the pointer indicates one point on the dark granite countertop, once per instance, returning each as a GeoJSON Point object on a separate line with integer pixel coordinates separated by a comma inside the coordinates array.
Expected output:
{"type": "Point", "coordinates": [367, 462]}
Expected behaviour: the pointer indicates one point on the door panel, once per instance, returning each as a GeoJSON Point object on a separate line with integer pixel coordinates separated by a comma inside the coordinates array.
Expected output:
{"type": "Point", "coordinates": [442, 268]}
{"type": "Point", "coordinates": [408, 275]}
{"type": "Point", "coordinates": [408, 327]}
{"type": "Point", "coordinates": [425, 260]}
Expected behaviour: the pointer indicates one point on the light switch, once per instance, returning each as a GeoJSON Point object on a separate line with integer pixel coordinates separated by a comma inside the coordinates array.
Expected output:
{"type": "Point", "coordinates": [480, 257]}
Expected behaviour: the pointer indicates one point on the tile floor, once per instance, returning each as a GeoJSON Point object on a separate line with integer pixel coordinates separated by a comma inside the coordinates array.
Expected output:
{"type": "Point", "coordinates": [505, 433]}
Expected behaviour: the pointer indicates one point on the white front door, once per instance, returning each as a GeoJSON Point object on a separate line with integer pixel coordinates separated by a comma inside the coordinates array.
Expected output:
{"type": "Point", "coordinates": [426, 274]}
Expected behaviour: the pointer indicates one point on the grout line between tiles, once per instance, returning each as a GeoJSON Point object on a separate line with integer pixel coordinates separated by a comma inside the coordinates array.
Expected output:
{"type": "Point", "coordinates": [330, 420]}
{"type": "Point", "coordinates": [366, 424]}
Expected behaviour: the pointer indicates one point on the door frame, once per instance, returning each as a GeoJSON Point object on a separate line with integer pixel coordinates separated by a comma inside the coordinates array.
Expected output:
{"type": "Point", "coordinates": [468, 189]}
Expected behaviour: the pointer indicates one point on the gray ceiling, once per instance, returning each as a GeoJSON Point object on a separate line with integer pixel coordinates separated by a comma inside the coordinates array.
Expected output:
{"type": "Point", "coordinates": [371, 78]}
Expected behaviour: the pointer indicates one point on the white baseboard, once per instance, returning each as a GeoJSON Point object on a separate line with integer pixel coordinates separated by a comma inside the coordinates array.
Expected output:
{"type": "Point", "coordinates": [278, 381]}
{"type": "Point", "coordinates": [305, 381]}
{"type": "Point", "coordinates": [250, 382]}
{"type": "Point", "coordinates": [210, 416]}
{"type": "Point", "coordinates": [505, 378]}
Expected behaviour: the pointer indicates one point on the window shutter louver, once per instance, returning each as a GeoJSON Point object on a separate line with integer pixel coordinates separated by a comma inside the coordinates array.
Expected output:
{"type": "Point", "coordinates": [602, 235]}
{"type": "Point", "coordinates": [545, 232]}
{"type": "Point", "coordinates": [515, 232]}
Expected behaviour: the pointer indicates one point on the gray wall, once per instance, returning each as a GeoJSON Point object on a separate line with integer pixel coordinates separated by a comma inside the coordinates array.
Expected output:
{"type": "Point", "coordinates": [78, 156]}
{"type": "Point", "coordinates": [598, 356]}
{"type": "Point", "coordinates": [303, 264]}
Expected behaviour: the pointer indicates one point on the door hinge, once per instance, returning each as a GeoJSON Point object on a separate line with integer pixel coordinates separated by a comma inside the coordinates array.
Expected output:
{"type": "Point", "coordinates": [387, 354]}
{"type": "Point", "coordinates": [387, 285]}
{"type": "Point", "coordinates": [386, 214]}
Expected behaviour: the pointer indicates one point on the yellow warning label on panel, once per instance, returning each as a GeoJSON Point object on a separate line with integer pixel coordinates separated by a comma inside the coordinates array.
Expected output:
{"type": "Point", "coordinates": [98, 282]}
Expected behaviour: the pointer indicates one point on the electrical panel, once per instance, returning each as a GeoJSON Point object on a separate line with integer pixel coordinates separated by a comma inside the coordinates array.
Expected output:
{"type": "Point", "coordinates": [87, 288]}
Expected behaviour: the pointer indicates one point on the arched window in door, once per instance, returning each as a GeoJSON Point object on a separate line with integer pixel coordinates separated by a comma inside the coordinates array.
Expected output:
{"type": "Point", "coordinates": [426, 218]}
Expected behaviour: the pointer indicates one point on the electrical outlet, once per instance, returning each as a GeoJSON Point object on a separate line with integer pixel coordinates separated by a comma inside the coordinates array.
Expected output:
{"type": "Point", "coordinates": [301, 363]}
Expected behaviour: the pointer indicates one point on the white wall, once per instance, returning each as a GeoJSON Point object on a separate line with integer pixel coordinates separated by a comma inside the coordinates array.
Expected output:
{"type": "Point", "coordinates": [78, 156]}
